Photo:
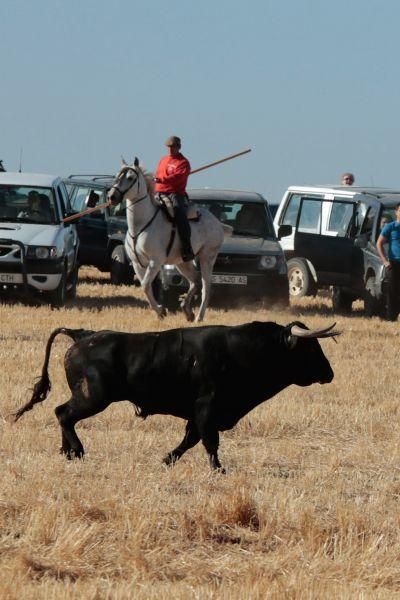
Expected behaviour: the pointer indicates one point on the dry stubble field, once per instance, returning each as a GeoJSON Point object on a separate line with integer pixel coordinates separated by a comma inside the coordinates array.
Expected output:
{"type": "Point", "coordinates": [309, 507]}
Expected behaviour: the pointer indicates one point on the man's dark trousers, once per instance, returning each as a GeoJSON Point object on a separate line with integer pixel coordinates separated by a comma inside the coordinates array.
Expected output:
{"type": "Point", "coordinates": [393, 290]}
{"type": "Point", "coordinates": [179, 203]}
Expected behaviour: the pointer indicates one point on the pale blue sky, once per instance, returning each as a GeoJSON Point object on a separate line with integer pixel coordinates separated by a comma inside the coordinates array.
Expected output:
{"type": "Point", "coordinates": [312, 86]}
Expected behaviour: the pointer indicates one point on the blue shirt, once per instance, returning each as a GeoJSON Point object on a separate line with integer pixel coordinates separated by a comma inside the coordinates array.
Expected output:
{"type": "Point", "coordinates": [391, 232]}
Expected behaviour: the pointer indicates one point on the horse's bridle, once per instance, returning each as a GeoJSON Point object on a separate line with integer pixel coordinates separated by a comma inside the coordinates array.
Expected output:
{"type": "Point", "coordinates": [121, 193]}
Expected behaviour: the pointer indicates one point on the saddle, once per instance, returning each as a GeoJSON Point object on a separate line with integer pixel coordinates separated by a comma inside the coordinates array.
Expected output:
{"type": "Point", "coordinates": [164, 201]}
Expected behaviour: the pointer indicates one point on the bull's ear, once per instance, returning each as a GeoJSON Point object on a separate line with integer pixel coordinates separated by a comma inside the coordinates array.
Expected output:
{"type": "Point", "coordinates": [136, 161]}
{"type": "Point", "coordinates": [124, 163]}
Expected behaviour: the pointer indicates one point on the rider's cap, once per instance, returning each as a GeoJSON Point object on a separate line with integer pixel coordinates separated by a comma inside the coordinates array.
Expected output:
{"type": "Point", "coordinates": [173, 140]}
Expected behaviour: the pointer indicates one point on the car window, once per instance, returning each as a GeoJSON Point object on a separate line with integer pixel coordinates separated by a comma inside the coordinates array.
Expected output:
{"type": "Point", "coordinates": [368, 223]}
{"type": "Point", "coordinates": [79, 198]}
{"type": "Point", "coordinates": [340, 217]}
{"type": "Point", "coordinates": [388, 215]}
{"type": "Point", "coordinates": [64, 199]}
{"type": "Point", "coordinates": [246, 218]}
{"type": "Point", "coordinates": [292, 209]}
{"type": "Point", "coordinates": [310, 216]}
{"type": "Point", "coordinates": [119, 210]}
{"type": "Point", "coordinates": [28, 204]}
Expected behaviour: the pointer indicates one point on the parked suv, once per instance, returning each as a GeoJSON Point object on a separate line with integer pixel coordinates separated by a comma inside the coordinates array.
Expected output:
{"type": "Point", "coordinates": [101, 233]}
{"type": "Point", "coordinates": [333, 242]}
{"type": "Point", "coordinates": [38, 251]}
{"type": "Point", "coordinates": [250, 262]}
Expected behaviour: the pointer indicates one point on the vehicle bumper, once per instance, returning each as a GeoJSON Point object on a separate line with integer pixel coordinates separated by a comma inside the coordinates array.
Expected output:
{"type": "Point", "coordinates": [263, 284]}
{"type": "Point", "coordinates": [41, 275]}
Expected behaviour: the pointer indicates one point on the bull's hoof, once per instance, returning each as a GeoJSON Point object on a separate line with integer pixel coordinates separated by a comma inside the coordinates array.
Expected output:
{"type": "Point", "coordinates": [70, 454]}
{"type": "Point", "coordinates": [169, 460]}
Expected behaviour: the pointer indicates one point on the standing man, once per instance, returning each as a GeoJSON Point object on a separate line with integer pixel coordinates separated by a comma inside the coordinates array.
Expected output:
{"type": "Point", "coordinates": [347, 179]}
{"type": "Point", "coordinates": [171, 177]}
{"type": "Point", "coordinates": [390, 235]}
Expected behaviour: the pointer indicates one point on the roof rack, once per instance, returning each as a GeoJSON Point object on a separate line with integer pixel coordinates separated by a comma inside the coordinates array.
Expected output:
{"type": "Point", "coordinates": [90, 176]}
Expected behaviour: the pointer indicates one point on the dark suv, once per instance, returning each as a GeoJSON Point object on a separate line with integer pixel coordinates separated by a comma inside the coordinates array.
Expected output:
{"type": "Point", "coordinates": [101, 233]}
{"type": "Point", "coordinates": [250, 263]}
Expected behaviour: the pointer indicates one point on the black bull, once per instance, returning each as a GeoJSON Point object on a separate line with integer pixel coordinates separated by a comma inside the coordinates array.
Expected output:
{"type": "Point", "coordinates": [210, 376]}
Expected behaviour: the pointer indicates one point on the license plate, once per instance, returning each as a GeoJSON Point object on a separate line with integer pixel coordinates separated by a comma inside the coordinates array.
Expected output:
{"type": "Point", "coordinates": [230, 279]}
{"type": "Point", "coordinates": [10, 278]}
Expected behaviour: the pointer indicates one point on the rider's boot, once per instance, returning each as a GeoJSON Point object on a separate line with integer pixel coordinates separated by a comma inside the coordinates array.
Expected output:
{"type": "Point", "coordinates": [184, 232]}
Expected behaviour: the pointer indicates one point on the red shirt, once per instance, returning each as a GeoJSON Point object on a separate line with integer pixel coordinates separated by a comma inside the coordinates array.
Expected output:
{"type": "Point", "coordinates": [173, 173]}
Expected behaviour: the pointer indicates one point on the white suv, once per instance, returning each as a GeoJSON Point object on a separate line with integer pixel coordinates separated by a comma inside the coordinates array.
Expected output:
{"type": "Point", "coordinates": [38, 250]}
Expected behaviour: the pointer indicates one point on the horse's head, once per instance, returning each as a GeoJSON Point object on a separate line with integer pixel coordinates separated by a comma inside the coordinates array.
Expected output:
{"type": "Point", "coordinates": [128, 183]}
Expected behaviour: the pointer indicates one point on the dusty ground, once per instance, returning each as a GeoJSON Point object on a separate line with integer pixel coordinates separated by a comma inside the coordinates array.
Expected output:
{"type": "Point", "coordinates": [309, 507]}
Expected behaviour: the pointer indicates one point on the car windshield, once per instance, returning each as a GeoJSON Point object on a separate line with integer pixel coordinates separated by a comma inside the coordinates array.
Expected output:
{"type": "Point", "coordinates": [27, 204]}
{"type": "Point", "coordinates": [246, 218]}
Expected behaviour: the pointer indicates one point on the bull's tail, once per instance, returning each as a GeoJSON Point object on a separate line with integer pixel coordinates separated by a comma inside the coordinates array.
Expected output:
{"type": "Point", "coordinates": [42, 387]}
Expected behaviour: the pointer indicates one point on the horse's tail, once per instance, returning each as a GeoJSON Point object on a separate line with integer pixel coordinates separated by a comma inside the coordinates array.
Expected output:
{"type": "Point", "coordinates": [42, 387]}
{"type": "Point", "coordinates": [228, 230]}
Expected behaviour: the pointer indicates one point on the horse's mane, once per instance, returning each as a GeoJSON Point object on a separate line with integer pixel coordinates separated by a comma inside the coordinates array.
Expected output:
{"type": "Point", "coordinates": [148, 177]}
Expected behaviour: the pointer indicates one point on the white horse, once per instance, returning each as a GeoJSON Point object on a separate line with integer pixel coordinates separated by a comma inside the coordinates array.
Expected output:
{"type": "Point", "coordinates": [151, 240]}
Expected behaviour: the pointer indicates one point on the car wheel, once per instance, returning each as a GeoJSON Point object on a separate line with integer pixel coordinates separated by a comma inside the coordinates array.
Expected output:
{"type": "Point", "coordinates": [301, 282]}
{"type": "Point", "coordinates": [371, 303]}
{"type": "Point", "coordinates": [58, 296]}
{"type": "Point", "coordinates": [341, 302]}
{"type": "Point", "coordinates": [121, 273]}
{"type": "Point", "coordinates": [170, 298]}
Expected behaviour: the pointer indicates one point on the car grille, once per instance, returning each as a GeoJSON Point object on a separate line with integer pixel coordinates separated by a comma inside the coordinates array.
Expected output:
{"type": "Point", "coordinates": [6, 250]}
{"type": "Point", "coordinates": [228, 263]}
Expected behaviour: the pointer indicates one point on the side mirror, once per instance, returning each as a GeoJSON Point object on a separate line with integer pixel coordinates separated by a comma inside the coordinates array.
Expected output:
{"type": "Point", "coordinates": [284, 231]}
{"type": "Point", "coordinates": [92, 199]}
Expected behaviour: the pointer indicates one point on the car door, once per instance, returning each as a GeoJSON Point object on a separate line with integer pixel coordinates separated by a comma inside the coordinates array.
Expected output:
{"type": "Point", "coordinates": [70, 232]}
{"type": "Point", "coordinates": [92, 228]}
{"type": "Point", "coordinates": [323, 236]}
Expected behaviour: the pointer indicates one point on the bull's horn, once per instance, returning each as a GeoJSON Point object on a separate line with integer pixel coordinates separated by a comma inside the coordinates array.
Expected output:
{"type": "Point", "coordinates": [314, 333]}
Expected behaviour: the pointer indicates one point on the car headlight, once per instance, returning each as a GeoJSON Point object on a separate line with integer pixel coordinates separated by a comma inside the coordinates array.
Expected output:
{"type": "Point", "coordinates": [41, 252]}
{"type": "Point", "coordinates": [268, 262]}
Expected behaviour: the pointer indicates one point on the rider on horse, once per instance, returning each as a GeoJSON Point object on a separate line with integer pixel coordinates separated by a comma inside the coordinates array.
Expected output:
{"type": "Point", "coordinates": [171, 177]}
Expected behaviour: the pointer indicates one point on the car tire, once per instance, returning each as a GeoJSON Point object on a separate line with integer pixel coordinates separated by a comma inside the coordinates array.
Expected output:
{"type": "Point", "coordinates": [301, 282]}
{"type": "Point", "coordinates": [341, 302]}
{"type": "Point", "coordinates": [121, 273]}
{"type": "Point", "coordinates": [58, 297]}
{"type": "Point", "coordinates": [371, 303]}
{"type": "Point", "coordinates": [171, 298]}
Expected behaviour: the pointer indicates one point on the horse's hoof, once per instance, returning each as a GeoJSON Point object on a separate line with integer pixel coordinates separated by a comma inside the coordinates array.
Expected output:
{"type": "Point", "coordinates": [189, 317]}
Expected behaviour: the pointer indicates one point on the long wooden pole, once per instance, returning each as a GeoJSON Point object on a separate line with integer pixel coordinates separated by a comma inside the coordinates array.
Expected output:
{"type": "Point", "coordinates": [218, 162]}
{"type": "Point", "coordinates": [100, 206]}
{"type": "Point", "coordinates": [86, 212]}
